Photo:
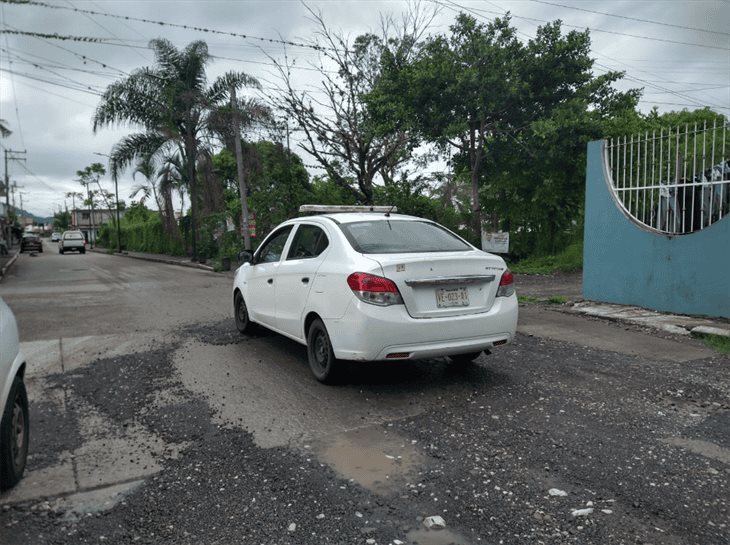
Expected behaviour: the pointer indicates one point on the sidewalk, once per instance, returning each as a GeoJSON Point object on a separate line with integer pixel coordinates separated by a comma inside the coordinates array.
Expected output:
{"type": "Point", "coordinates": [564, 293]}
{"type": "Point", "coordinates": [6, 261]}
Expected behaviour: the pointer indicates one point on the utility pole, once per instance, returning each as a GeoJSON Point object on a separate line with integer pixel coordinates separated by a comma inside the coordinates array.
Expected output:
{"type": "Point", "coordinates": [10, 155]}
{"type": "Point", "coordinates": [239, 164]}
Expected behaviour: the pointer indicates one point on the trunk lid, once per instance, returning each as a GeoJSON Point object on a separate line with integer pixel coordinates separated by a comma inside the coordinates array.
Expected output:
{"type": "Point", "coordinates": [445, 283]}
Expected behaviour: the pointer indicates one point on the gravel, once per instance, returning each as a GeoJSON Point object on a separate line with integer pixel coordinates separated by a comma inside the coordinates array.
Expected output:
{"type": "Point", "coordinates": [537, 415]}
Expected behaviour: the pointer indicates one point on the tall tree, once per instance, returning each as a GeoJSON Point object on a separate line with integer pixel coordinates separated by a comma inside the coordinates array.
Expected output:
{"type": "Point", "coordinates": [171, 102]}
{"type": "Point", "coordinates": [338, 129]}
{"type": "Point", "coordinates": [479, 84]}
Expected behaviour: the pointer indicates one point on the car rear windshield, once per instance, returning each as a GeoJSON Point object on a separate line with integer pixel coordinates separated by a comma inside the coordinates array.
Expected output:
{"type": "Point", "coordinates": [401, 236]}
{"type": "Point", "coordinates": [73, 236]}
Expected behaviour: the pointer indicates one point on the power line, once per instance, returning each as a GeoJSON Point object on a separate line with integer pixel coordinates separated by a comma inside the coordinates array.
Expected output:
{"type": "Point", "coordinates": [592, 29]}
{"type": "Point", "coordinates": [55, 94]}
{"type": "Point", "coordinates": [51, 82]}
{"type": "Point", "coordinates": [632, 18]}
{"type": "Point", "coordinates": [15, 94]}
{"type": "Point", "coordinates": [173, 25]}
{"type": "Point", "coordinates": [97, 23]}
{"type": "Point", "coordinates": [604, 67]}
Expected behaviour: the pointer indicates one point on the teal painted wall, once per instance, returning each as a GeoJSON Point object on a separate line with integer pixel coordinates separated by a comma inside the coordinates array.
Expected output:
{"type": "Point", "coordinates": [627, 264]}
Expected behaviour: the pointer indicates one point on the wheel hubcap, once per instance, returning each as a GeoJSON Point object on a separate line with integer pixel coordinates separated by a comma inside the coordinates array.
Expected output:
{"type": "Point", "coordinates": [241, 312]}
{"type": "Point", "coordinates": [320, 351]}
{"type": "Point", "coordinates": [17, 445]}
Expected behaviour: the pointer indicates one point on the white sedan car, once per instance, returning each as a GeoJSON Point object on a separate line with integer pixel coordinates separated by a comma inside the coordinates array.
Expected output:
{"type": "Point", "coordinates": [375, 286]}
{"type": "Point", "coordinates": [13, 402]}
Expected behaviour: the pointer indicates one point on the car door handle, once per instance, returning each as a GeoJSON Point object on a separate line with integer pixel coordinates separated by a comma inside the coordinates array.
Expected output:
{"type": "Point", "coordinates": [305, 280]}
{"type": "Point", "coordinates": [270, 281]}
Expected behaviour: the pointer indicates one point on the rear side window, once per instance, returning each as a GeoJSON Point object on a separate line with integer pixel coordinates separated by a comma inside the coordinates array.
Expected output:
{"type": "Point", "coordinates": [399, 236]}
{"type": "Point", "coordinates": [309, 241]}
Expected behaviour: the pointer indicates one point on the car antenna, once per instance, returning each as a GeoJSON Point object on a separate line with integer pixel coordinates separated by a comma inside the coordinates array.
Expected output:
{"type": "Point", "coordinates": [387, 214]}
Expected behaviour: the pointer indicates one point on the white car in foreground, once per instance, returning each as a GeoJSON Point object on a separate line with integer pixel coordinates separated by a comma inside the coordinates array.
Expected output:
{"type": "Point", "coordinates": [375, 286]}
{"type": "Point", "coordinates": [13, 402]}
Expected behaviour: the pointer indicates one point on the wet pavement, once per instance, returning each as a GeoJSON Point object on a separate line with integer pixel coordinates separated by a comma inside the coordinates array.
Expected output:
{"type": "Point", "coordinates": [163, 425]}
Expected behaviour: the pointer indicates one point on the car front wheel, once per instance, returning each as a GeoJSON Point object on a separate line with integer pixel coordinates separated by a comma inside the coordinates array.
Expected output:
{"type": "Point", "coordinates": [14, 436]}
{"type": "Point", "coordinates": [243, 322]}
{"type": "Point", "coordinates": [322, 361]}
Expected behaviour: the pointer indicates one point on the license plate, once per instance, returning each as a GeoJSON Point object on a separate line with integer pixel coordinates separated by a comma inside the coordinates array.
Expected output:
{"type": "Point", "coordinates": [452, 297]}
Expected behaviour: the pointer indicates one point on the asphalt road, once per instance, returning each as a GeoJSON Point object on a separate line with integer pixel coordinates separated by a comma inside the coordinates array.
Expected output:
{"type": "Point", "coordinates": [153, 421]}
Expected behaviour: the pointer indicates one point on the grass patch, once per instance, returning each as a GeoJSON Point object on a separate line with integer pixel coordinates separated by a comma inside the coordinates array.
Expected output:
{"type": "Point", "coordinates": [531, 300]}
{"type": "Point", "coordinates": [718, 343]}
{"type": "Point", "coordinates": [569, 260]}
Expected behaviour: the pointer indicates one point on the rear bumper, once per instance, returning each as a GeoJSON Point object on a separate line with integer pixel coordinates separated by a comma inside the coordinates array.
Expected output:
{"type": "Point", "coordinates": [368, 332]}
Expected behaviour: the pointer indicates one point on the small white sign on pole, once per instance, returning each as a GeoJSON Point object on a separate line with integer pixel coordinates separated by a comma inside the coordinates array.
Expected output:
{"type": "Point", "coordinates": [496, 243]}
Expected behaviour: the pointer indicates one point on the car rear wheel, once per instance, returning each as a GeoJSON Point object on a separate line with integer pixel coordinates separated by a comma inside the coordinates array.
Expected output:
{"type": "Point", "coordinates": [322, 361]}
{"type": "Point", "coordinates": [14, 436]}
{"type": "Point", "coordinates": [243, 322]}
{"type": "Point", "coordinates": [465, 359]}
{"type": "Point", "coordinates": [83, 250]}
{"type": "Point", "coordinates": [60, 250]}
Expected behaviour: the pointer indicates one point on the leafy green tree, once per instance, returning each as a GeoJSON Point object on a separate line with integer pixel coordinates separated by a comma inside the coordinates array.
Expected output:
{"type": "Point", "coordinates": [62, 220]}
{"type": "Point", "coordinates": [171, 102]}
{"type": "Point", "coordinates": [511, 116]}
{"type": "Point", "coordinates": [278, 183]}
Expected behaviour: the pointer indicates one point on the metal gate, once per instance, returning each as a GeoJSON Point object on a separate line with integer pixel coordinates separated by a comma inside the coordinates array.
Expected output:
{"type": "Point", "coordinates": [676, 181]}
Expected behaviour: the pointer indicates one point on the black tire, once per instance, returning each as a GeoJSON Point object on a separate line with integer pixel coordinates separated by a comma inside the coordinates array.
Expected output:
{"type": "Point", "coordinates": [14, 430]}
{"type": "Point", "coordinates": [465, 359]}
{"type": "Point", "coordinates": [83, 250]}
{"type": "Point", "coordinates": [60, 250]}
{"type": "Point", "coordinates": [41, 250]}
{"type": "Point", "coordinates": [322, 361]}
{"type": "Point", "coordinates": [243, 322]}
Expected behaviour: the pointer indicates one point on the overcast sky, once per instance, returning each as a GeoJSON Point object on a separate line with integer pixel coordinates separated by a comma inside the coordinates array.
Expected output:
{"type": "Point", "coordinates": [677, 50]}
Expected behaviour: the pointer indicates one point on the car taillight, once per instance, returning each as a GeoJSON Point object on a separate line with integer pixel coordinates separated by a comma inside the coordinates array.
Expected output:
{"type": "Point", "coordinates": [506, 284]}
{"type": "Point", "coordinates": [375, 290]}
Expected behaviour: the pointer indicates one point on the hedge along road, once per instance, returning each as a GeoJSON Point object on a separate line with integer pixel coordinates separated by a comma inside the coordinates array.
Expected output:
{"type": "Point", "coordinates": [154, 421]}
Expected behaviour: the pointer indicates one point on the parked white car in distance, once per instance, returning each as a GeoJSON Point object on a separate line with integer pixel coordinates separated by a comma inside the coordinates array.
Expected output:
{"type": "Point", "coordinates": [375, 286]}
{"type": "Point", "coordinates": [72, 241]}
{"type": "Point", "coordinates": [14, 423]}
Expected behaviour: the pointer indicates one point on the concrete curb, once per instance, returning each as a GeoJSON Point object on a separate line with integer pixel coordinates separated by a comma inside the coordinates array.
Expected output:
{"type": "Point", "coordinates": [156, 259]}
{"type": "Point", "coordinates": [704, 331]}
{"type": "Point", "coordinates": [669, 323]}
{"type": "Point", "coordinates": [8, 265]}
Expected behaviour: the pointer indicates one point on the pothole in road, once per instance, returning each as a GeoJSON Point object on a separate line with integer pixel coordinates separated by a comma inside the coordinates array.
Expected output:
{"type": "Point", "coordinates": [375, 458]}
{"type": "Point", "coordinates": [424, 536]}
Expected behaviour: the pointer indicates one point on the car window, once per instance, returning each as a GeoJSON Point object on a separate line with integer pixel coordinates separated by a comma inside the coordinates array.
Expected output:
{"type": "Point", "coordinates": [271, 251]}
{"type": "Point", "coordinates": [73, 236]}
{"type": "Point", "coordinates": [401, 236]}
{"type": "Point", "coordinates": [309, 241]}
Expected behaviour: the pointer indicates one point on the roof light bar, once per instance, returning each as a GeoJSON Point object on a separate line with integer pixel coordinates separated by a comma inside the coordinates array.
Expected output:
{"type": "Point", "coordinates": [329, 209]}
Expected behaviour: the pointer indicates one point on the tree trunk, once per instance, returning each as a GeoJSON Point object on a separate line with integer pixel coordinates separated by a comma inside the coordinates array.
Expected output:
{"type": "Point", "coordinates": [191, 153]}
{"type": "Point", "coordinates": [239, 167]}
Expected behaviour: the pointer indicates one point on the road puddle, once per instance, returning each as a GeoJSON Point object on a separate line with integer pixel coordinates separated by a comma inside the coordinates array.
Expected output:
{"type": "Point", "coordinates": [423, 536]}
{"type": "Point", "coordinates": [703, 448]}
{"type": "Point", "coordinates": [376, 458]}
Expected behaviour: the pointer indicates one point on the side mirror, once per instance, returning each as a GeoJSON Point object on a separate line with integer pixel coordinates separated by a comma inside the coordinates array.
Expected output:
{"type": "Point", "coordinates": [245, 256]}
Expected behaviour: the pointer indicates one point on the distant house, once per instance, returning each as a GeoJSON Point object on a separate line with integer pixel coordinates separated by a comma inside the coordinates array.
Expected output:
{"type": "Point", "coordinates": [82, 220]}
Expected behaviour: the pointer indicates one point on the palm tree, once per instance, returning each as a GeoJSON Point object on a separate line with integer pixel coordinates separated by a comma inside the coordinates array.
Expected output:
{"type": "Point", "coordinates": [147, 168]}
{"type": "Point", "coordinates": [171, 102]}
{"type": "Point", "coordinates": [4, 131]}
{"type": "Point", "coordinates": [170, 179]}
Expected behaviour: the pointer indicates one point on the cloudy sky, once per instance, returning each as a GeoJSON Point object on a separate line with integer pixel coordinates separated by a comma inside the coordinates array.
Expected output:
{"type": "Point", "coordinates": [677, 50]}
